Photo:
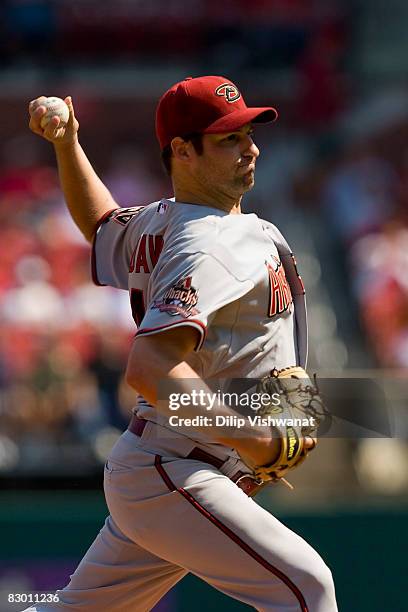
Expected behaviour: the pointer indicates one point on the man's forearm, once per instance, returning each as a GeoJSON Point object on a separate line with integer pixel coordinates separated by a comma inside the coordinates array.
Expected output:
{"type": "Point", "coordinates": [87, 198]}
{"type": "Point", "coordinates": [219, 422]}
{"type": "Point", "coordinates": [250, 440]}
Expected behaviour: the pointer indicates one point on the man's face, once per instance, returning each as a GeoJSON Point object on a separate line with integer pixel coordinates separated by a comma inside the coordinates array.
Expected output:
{"type": "Point", "coordinates": [227, 163]}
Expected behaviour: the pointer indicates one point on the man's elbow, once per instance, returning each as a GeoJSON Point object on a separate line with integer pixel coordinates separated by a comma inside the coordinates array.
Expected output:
{"type": "Point", "coordinates": [153, 358]}
{"type": "Point", "coordinates": [143, 365]}
{"type": "Point", "coordinates": [133, 376]}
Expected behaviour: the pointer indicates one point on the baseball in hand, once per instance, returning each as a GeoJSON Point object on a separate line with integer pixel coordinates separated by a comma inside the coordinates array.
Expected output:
{"type": "Point", "coordinates": [55, 107]}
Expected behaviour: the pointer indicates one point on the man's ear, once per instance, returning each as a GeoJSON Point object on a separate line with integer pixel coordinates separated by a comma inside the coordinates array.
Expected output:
{"type": "Point", "coordinates": [181, 149]}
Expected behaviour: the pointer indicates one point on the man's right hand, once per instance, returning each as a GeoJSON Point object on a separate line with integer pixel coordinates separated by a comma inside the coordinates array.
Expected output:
{"type": "Point", "coordinates": [54, 132]}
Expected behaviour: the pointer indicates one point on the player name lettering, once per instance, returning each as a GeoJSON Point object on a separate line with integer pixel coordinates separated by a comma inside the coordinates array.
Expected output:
{"type": "Point", "coordinates": [146, 254]}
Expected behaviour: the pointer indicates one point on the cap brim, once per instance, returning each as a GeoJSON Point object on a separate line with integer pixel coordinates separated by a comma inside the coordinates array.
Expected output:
{"type": "Point", "coordinates": [236, 119]}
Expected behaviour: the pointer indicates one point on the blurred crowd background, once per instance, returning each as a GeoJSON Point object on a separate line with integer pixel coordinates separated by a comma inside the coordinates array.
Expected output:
{"type": "Point", "coordinates": [333, 175]}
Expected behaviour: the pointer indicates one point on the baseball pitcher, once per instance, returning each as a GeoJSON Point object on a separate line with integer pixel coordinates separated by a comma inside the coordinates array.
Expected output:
{"type": "Point", "coordinates": [216, 298]}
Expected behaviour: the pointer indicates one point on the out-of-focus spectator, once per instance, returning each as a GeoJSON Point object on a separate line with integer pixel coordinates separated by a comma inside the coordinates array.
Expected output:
{"type": "Point", "coordinates": [322, 92]}
{"type": "Point", "coordinates": [358, 196]}
{"type": "Point", "coordinates": [107, 366]}
{"type": "Point", "coordinates": [381, 285]}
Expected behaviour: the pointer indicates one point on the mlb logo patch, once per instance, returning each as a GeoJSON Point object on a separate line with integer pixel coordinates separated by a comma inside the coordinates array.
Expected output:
{"type": "Point", "coordinates": [162, 207]}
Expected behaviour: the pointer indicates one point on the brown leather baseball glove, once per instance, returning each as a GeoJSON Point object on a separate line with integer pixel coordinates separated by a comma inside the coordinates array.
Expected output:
{"type": "Point", "coordinates": [297, 416]}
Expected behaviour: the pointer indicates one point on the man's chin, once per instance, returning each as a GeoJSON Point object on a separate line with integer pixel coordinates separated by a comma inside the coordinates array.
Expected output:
{"type": "Point", "coordinates": [244, 183]}
{"type": "Point", "coordinates": [249, 181]}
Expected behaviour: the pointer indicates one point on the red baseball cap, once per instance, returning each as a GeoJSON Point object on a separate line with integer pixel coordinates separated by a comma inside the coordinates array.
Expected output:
{"type": "Point", "coordinates": [209, 104]}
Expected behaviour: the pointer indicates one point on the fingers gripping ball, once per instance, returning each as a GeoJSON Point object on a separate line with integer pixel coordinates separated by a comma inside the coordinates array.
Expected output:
{"type": "Point", "coordinates": [56, 107]}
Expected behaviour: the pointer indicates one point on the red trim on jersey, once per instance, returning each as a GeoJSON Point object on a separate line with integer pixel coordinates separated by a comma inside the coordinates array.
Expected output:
{"type": "Point", "coordinates": [294, 262]}
{"type": "Point", "coordinates": [93, 254]}
{"type": "Point", "coordinates": [203, 329]}
{"type": "Point", "coordinates": [229, 533]}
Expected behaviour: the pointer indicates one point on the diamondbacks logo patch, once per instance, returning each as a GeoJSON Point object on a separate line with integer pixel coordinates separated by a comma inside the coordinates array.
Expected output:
{"type": "Point", "coordinates": [228, 91]}
{"type": "Point", "coordinates": [180, 299]}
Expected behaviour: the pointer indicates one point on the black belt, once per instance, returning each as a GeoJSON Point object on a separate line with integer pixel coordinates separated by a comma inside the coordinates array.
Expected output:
{"type": "Point", "coordinates": [244, 481]}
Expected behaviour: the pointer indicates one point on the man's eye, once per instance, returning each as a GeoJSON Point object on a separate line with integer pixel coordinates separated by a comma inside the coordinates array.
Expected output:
{"type": "Point", "coordinates": [232, 138]}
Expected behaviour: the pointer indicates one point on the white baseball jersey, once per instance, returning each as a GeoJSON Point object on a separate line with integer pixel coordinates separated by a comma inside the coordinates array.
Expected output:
{"type": "Point", "coordinates": [231, 277]}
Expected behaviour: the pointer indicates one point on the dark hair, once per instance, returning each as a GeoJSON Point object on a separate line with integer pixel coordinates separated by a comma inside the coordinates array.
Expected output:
{"type": "Point", "coordinates": [196, 138]}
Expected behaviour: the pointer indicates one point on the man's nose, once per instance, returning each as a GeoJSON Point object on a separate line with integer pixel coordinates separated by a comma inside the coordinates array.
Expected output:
{"type": "Point", "coordinates": [251, 149]}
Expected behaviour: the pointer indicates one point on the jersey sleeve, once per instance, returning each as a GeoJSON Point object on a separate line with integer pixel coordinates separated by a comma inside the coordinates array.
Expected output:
{"type": "Point", "coordinates": [188, 290]}
{"type": "Point", "coordinates": [116, 234]}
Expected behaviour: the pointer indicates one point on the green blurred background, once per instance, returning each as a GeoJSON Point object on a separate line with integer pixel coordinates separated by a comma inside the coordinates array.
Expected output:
{"type": "Point", "coordinates": [333, 175]}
